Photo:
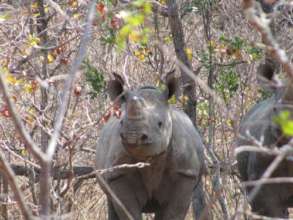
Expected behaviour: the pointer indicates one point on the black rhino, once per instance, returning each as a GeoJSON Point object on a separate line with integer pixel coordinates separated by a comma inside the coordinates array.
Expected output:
{"type": "Point", "coordinates": [273, 199]}
{"type": "Point", "coordinates": [150, 130]}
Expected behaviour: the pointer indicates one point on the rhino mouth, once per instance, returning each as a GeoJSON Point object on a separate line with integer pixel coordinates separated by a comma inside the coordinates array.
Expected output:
{"type": "Point", "coordinates": [134, 140]}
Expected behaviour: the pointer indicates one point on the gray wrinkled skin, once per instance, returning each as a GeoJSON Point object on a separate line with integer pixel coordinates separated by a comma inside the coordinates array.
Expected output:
{"type": "Point", "coordinates": [273, 199]}
{"type": "Point", "coordinates": [150, 130]}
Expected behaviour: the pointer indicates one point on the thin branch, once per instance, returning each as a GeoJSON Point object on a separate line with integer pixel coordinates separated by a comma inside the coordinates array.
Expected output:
{"type": "Point", "coordinates": [138, 165]}
{"type": "Point", "coordinates": [252, 9]}
{"type": "Point", "coordinates": [124, 72]}
{"type": "Point", "coordinates": [59, 10]}
{"type": "Point", "coordinates": [275, 180]}
{"type": "Point", "coordinates": [248, 148]}
{"type": "Point", "coordinates": [10, 176]}
{"type": "Point", "coordinates": [6, 148]}
{"type": "Point", "coordinates": [258, 19]}
{"type": "Point", "coordinates": [203, 86]}
{"type": "Point", "coordinates": [84, 42]}
{"type": "Point", "coordinates": [285, 150]}
{"type": "Point", "coordinates": [106, 188]}
{"type": "Point", "coordinates": [29, 143]}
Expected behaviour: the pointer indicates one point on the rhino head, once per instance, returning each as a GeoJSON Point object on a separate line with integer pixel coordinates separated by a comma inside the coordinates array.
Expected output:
{"type": "Point", "coordinates": [145, 124]}
{"type": "Point", "coordinates": [284, 97]}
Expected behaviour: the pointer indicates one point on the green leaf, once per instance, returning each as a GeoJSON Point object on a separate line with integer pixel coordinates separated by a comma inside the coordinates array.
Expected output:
{"type": "Point", "coordinates": [94, 77]}
{"type": "Point", "coordinates": [135, 20]}
{"type": "Point", "coordinates": [284, 121]}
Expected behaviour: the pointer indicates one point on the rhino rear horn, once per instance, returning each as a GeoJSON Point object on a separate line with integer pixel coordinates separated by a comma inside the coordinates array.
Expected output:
{"type": "Point", "coordinates": [172, 83]}
{"type": "Point", "coordinates": [115, 86]}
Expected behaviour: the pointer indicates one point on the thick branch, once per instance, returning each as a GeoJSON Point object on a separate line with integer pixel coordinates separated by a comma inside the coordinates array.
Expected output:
{"type": "Point", "coordinates": [179, 45]}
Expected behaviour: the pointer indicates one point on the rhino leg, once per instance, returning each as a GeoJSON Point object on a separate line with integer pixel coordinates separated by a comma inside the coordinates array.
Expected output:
{"type": "Point", "coordinates": [269, 202]}
{"type": "Point", "coordinates": [124, 190]}
{"type": "Point", "coordinates": [178, 201]}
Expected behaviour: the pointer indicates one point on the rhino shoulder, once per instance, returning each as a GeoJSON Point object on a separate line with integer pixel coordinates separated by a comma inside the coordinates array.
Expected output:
{"type": "Point", "coordinates": [186, 145]}
{"type": "Point", "coordinates": [109, 149]}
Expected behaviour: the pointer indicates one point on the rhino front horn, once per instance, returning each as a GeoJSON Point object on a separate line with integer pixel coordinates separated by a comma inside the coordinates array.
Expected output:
{"type": "Point", "coordinates": [134, 108]}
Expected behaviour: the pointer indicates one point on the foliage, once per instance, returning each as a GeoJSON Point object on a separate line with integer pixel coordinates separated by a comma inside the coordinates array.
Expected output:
{"type": "Point", "coordinates": [227, 53]}
{"type": "Point", "coordinates": [127, 24]}
{"type": "Point", "coordinates": [284, 120]}
{"type": "Point", "coordinates": [227, 83]}
{"type": "Point", "coordinates": [94, 77]}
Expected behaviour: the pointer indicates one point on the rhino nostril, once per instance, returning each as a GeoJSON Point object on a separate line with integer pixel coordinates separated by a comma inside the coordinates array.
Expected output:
{"type": "Point", "coordinates": [122, 136]}
{"type": "Point", "coordinates": [144, 137]}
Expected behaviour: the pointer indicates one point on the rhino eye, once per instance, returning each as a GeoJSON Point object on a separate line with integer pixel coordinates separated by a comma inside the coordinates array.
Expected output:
{"type": "Point", "coordinates": [123, 98]}
{"type": "Point", "coordinates": [160, 124]}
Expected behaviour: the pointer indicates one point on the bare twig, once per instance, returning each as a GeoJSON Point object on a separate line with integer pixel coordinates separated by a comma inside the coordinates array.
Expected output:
{"type": "Point", "coordinates": [106, 188]}
{"type": "Point", "coordinates": [261, 23]}
{"type": "Point", "coordinates": [30, 144]}
{"type": "Point", "coordinates": [124, 72]}
{"type": "Point", "coordinates": [113, 169]}
{"type": "Point", "coordinates": [10, 176]}
{"type": "Point", "coordinates": [203, 86]}
{"type": "Point", "coordinates": [246, 148]}
{"type": "Point", "coordinates": [259, 20]}
{"type": "Point", "coordinates": [5, 147]}
{"type": "Point", "coordinates": [285, 150]}
{"type": "Point", "coordinates": [275, 180]}
{"type": "Point", "coordinates": [85, 41]}
{"type": "Point", "coordinates": [59, 10]}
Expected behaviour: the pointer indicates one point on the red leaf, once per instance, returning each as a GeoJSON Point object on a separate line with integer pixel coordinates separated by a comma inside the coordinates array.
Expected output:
{"type": "Point", "coordinates": [5, 112]}
{"type": "Point", "coordinates": [101, 8]}
{"type": "Point", "coordinates": [116, 22]}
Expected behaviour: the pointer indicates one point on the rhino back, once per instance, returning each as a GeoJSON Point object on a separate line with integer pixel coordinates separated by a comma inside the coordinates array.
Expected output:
{"type": "Point", "coordinates": [258, 122]}
{"type": "Point", "coordinates": [258, 118]}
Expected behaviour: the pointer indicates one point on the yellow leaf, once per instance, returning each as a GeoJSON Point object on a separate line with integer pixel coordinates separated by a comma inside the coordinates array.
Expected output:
{"type": "Point", "coordinates": [183, 99]}
{"type": "Point", "coordinates": [4, 17]}
{"type": "Point", "coordinates": [35, 5]}
{"type": "Point", "coordinates": [76, 15]}
{"type": "Point", "coordinates": [46, 8]}
{"type": "Point", "coordinates": [135, 36]}
{"type": "Point", "coordinates": [172, 100]}
{"type": "Point", "coordinates": [23, 152]}
{"type": "Point", "coordinates": [30, 87]}
{"type": "Point", "coordinates": [167, 39]}
{"type": "Point", "coordinates": [12, 80]}
{"type": "Point", "coordinates": [33, 40]}
{"type": "Point", "coordinates": [51, 58]}
{"type": "Point", "coordinates": [139, 54]}
{"type": "Point", "coordinates": [188, 52]}
{"type": "Point", "coordinates": [212, 44]}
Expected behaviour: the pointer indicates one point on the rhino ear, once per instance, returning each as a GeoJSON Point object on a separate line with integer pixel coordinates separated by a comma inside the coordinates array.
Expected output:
{"type": "Point", "coordinates": [266, 71]}
{"type": "Point", "coordinates": [115, 86]}
{"type": "Point", "coordinates": [267, 77]}
{"type": "Point", "coordinates": [172, 84]}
